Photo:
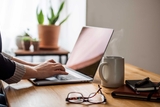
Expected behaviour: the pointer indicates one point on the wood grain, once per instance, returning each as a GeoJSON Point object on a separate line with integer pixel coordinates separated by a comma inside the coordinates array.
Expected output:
{"type": "Point", "coordinates": [25, 94]}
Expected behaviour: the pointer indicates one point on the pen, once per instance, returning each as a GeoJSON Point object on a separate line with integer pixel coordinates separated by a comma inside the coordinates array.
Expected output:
{"type": "Point", "coordinates": [141, 82]}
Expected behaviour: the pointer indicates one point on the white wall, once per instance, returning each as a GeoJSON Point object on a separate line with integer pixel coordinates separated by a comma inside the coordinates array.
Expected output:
{"type": "Point", "coordinates": [137, 29]}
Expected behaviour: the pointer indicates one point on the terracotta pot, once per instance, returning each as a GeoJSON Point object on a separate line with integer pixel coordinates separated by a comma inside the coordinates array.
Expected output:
{"type": "Point", "coordinates": [35, 45]}
{"type": "Point", "coordinates": [48, 35]}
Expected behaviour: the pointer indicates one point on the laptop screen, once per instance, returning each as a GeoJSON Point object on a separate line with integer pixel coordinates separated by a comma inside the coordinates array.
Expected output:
{"type": "Point", "coordinates": [89, 49]}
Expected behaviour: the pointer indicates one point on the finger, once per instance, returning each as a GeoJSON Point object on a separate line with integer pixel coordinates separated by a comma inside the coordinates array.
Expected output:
{"type": "Point", "coordinates": [54, 64]}
{"type": "Point", "coordinates": [61, 72]}
{"type": "Point", "coordinates": [58, 65]}
{"type": "Point", "coordinates": [51, 60]}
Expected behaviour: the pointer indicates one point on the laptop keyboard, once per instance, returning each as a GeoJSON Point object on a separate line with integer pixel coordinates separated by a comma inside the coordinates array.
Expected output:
{"type": "Point", "coordinates": [65, 77]}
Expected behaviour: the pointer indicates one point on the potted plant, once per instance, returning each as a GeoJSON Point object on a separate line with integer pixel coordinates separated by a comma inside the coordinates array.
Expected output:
{"type": "Point", "coordinates": [35, 43]}
{"type": "Point", "coordinates": [49, 34]}
{"type": "Point", "coordinates": [26, 42]}
{"type": "Point", "coordinates": [20, 37]}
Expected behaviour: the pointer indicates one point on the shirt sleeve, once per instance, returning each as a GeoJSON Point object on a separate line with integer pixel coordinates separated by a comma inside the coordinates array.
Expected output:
{"type": "Point", "coordinates": [6, 55]}
{"type": "Point", "coordinates": [18, 74]}
{"type": "Point", "coordinates": [19, 71]}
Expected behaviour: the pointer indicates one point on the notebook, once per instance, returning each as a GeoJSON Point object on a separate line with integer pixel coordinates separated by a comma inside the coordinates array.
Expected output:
{"type": "Point", "coordinates": [85, 57]}
{"type": "Point", "coordinates": [126, 92]}
{"type": "Point", "coordinates": [148, 86]}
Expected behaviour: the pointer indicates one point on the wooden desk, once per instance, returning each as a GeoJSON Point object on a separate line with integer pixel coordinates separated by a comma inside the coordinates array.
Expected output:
{"type": "Point", "coordinates": [59, 52]}
{"type": "Point", "coordinates": [25, 94]}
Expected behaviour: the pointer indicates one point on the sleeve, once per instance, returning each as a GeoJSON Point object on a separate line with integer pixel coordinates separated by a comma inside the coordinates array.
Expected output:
{"type": "Point", "coordinates": [6, 55]}
{"type": "Point", "coordinates": [19, 73]}
{"type": "Point", "coordinates": [7, 67]}
{"type": "Point", "coordinates": [11, 72]}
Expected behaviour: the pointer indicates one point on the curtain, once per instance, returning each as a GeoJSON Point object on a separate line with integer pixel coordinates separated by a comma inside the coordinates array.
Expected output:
{"type": "Point", "coordinates": [16, 16]}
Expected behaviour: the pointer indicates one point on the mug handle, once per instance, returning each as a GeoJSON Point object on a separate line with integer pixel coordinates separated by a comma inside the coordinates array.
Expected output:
{"type": "Point", "coordinates": [100, 70]}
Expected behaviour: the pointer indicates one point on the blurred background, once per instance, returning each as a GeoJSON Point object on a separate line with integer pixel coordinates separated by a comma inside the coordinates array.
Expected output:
{"type": "Point", "coordinates": [16, 16]}
{"type": "Point", "coordinates": [135, 22]}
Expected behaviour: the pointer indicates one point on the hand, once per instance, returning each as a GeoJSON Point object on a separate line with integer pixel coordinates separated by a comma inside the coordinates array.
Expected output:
{"type": "Point", "coordinates": [44, 70]}
{"type": "Point", "coordinates": [48, 69]}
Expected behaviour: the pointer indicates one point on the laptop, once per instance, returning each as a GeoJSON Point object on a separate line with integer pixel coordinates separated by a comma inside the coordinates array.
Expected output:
{"type": "Point", "coordinates": [84, 59]}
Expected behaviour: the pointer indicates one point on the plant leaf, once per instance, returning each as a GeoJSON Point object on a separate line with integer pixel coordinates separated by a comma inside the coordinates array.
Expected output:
{"type": "Point", "coordinates": [51, 19]}
{"type": "Point", "coordinates": [61, 7]}
{"type": "Point", "coordinates": [40, 16]}
{"type": "Point", "coordinates": [52, 13]}
{"type": "Point", "coordinates": [58, 13]}
{"type": "Point", "coordinates": [64, 20]}
{"type": "Point", "coordinates": [54, 20]}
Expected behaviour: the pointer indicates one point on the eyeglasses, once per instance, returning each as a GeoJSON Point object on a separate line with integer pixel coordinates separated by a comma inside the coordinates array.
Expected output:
{"type": "Point", "coordinates": [77, 97]}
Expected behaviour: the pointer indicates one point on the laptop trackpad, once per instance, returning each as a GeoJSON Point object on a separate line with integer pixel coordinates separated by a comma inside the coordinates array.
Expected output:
{"type": "Point", "coordinates": [62, 77]}
{"type": "Point", "coordinates": [51, 78]}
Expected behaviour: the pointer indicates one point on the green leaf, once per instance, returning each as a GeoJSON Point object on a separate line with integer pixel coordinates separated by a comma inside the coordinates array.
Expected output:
{"type": "Point", "coordinates": [49, 19]}
{"type": "Point", "coordinates": [61, 7]}
{"type": "Point", "coordinates": [58, 13]}
{"type": "Point", "coordinates": [40, 16]}
{"type": "Point", "coordinates": [64, 20]}
{"type": "Point", "coordinates": [54, 20]}
{"type": "Point", "coordinates": [52, 13]}
{"type": "Point", "coordinates": [52, 17]}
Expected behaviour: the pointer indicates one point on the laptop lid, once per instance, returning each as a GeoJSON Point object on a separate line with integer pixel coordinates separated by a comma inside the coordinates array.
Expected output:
{"type": "Point", "coordinates": [85, 56]}
{"type": "Point", "coordinates": [89, 49]}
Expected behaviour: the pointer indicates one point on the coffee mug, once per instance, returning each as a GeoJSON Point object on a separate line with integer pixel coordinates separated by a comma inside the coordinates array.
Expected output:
{"type": "Point", "coordinates": [111, 71]}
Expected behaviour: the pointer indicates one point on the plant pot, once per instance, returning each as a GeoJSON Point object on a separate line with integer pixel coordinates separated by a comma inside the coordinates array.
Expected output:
{"type": "Point", "coordinates": [35, 45]}
{"type": "Point", "coordinates": [19, 42]}
{"type": "Point", "coordinates": [49, 36]}
{"type": "Point", "coordinates": [26, 45]}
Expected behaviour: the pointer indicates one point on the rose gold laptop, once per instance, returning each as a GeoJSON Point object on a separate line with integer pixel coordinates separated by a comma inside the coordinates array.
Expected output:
{"type": "Point", "coordinates": [85, 57]}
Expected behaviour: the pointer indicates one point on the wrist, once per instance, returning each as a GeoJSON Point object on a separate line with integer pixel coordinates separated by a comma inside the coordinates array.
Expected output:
{"type": "Point", "coordinates": [31, 72]}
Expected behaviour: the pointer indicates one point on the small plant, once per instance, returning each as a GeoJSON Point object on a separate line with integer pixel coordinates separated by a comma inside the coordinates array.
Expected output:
{"type": "Point", "coordinates": [35, 39]}
{"type": "Point", "coordinates": [20, 37]}
{"type": "Point", "coordinates": [26, 42]}
{"type": "Point", "coordinates": [35, 43]}
{"type": "Point", "coordinates": [52, 20]}
{"type": "Point", "coordinates": [26, 38]}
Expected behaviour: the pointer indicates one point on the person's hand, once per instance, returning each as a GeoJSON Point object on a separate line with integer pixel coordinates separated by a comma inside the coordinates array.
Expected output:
{"type": "Point", "coordinates": [44, 70]}
{"type": "Point", "coordinates": [48, 69]}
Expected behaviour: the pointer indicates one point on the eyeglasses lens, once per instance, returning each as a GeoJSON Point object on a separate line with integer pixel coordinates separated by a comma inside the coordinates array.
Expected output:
{"type": "Point", "coordinates": [96, 98]}
{"type": "Point", "coordinates": [75, 97]}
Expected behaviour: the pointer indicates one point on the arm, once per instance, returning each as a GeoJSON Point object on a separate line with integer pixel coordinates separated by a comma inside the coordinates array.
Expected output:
{"type": "Point", "coordinates": [18, 71]}
{"type": "Point", "coordinates": [18, 60]}
{"type": "Point", "coordinates": [21, 61]}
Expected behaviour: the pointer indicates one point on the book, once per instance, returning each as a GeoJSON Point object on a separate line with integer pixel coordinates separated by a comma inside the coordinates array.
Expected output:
{"type": "Point", "coordinates": [127, 93]}
{"type": "Point", "coordinates": [148, 86]}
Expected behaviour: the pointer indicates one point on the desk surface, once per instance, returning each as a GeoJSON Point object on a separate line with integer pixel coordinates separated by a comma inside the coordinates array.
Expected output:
{"type": "Point", "coordinates": [25, 94]}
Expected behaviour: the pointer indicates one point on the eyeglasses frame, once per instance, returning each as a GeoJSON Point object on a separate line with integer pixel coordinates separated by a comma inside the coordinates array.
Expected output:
{"type": "Point", "coordinates": [85, 99]}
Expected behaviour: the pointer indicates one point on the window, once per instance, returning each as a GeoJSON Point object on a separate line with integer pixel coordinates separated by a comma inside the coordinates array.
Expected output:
{"type": "Point", "coordinates": [18, 15]}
